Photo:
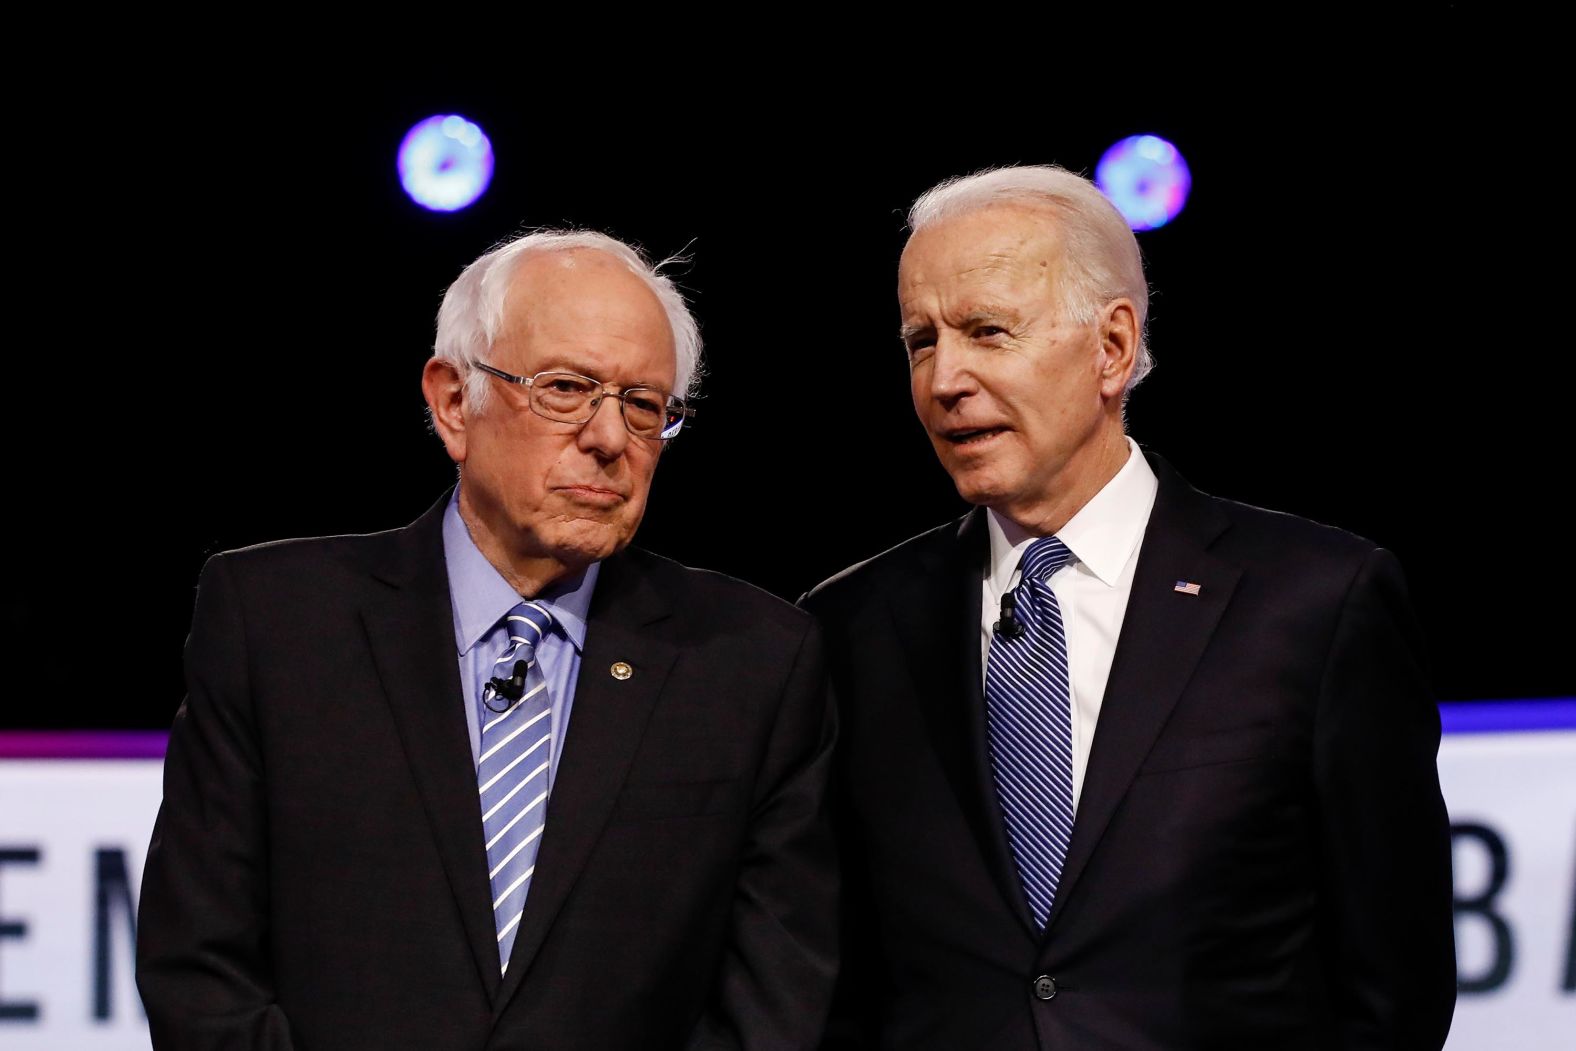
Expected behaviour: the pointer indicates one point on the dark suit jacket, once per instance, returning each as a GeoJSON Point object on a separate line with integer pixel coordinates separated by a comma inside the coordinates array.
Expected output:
{"type": "Point", "coordinates": [318, 879]}
{"type": "Point", "coordinates": [1260, 857]}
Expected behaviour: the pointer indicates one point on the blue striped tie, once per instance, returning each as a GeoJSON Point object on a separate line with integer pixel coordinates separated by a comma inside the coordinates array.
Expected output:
{"type": "Point", "coordinates": [1028, 702]}
{"type": "Point", "coordinates": [516, 753]}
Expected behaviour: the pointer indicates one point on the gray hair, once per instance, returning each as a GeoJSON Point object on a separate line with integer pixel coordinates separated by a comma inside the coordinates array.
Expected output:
{"type": "Point", "coordinates": [473, 308]}
{"type": "Point", "coordinates": [1100, 251]}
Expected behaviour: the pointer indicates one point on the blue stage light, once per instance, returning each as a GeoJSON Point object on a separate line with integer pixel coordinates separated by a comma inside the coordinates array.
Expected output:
{"type": "Point", "coordinates": [1146, 178]}
{"type": "Point", "coordinates": [445, 163]}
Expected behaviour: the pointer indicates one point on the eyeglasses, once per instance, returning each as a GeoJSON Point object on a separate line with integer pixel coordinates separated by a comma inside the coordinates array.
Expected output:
{"type": "Point", "coordinates": [566, 397]}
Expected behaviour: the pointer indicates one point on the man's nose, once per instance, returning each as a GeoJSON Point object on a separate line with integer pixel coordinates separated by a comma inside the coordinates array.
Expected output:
{"type": "Point", "coordinates": [951, 373]}
{"type": "Point", "coordinates": [604, 434]}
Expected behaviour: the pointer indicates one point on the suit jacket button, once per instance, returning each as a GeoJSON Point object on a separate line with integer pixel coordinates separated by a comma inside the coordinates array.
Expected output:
{"type": "Point", "coordinates": [1045, 987]}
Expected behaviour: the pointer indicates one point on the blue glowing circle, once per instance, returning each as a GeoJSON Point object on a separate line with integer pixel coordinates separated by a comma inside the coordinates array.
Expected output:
{"type": "Point", "coordinates": [445, 163]}
{"type": "Point", "coordinates": [1146, 178]}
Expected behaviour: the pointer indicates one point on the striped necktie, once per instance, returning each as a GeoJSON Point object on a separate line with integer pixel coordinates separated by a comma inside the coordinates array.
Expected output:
{"type": "Point", "coordinates": [1028, 705]}
{"type": "Point", "coordinates": [512, 770]}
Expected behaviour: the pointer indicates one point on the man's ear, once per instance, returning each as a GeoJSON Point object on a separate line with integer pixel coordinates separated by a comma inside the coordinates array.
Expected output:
{"type": "Point", "coordinates": [444, 387]}
{"type": "Point", "coordinates": [1118, 346]}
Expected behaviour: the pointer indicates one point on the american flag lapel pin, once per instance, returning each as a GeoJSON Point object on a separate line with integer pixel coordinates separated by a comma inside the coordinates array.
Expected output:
{"type": "Point", "coordinates": [1186, 587]}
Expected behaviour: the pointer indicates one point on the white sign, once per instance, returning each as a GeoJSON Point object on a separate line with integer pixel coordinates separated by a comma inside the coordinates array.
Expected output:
{"type": "Point", "coordinates": [74, 832]}
{"type": "Point", "coordinates": [1512, 800]}
{"type": "Point", "coordinates": [73, 835]}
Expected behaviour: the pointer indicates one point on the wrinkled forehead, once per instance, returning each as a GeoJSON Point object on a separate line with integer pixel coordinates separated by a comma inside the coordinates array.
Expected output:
{"type": "Point", "coordinates": [590, 300]}
{"type": "Point", "coordinates": [1012, 248]}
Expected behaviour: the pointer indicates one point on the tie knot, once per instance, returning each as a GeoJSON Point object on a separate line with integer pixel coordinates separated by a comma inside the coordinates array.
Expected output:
{"type": "Point", "coordinates": [527, 623]}
{"type": "Point", "coordinates": [1044, 557]}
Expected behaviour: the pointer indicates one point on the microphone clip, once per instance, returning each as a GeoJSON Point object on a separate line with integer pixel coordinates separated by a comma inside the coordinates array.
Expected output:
{"type": "Point", "coordinates": [1009, 626]}
{"type": "Point", "coordinates": [510, 689]}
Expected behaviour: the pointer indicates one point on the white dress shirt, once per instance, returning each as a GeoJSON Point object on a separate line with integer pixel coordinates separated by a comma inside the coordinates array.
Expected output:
{"type": "Point", "coordinates": [1092, 589]}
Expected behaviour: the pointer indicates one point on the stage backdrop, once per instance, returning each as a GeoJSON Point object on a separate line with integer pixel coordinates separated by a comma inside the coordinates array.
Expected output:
{"type": "Point", "coordinates": [76, 810]}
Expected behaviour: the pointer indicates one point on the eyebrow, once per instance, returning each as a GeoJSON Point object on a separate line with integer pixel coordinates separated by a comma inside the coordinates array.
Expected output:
{"type": "Point", "coordinates": [973, 317]}
{"type": "Point", "coordinates": [578, 371]}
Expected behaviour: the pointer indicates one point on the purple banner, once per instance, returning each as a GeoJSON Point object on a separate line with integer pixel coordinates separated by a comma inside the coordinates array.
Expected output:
{"type": "Point", "coordinates": [1498, 717]}
{"type": "Point", "coordinates": [83, 744]}
{"type": "Point", "coordinates": [1459, 717]}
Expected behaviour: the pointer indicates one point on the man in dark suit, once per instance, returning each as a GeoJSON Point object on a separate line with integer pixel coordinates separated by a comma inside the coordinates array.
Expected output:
{"type": "Point", "coordinates": [1123, 765]}
{"type": "Point", "coordinates": [497, 780]}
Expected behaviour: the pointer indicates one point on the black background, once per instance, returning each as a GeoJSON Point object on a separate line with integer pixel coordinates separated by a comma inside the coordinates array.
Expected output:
{"type": "Point", "coordinates": [1356, 319]}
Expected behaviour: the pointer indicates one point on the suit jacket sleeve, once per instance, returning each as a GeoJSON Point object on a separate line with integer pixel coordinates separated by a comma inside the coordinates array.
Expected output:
{"type": "Point", "coordinates": [1386, 923]}
{"type": "Point", "coordinates": [775, 983]}
{"type": "Point", "coordinates": [202, 934]}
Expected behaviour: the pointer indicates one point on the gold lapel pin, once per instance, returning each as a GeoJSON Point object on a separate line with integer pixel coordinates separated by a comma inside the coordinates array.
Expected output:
{"type": "Point", "coordinates": [621, 670]}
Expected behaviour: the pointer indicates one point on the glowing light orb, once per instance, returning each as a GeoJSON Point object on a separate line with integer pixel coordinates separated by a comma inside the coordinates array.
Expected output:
{"type": "Point", "coordinates": [1146, 178]}
{"type": "Point", "coordinates": [445, 163]}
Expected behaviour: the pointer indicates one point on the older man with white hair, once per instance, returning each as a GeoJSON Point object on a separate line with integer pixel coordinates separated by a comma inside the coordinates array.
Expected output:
{"type": "Point", "coordinates": [1124, 765]}
{"type": "Point", "coordinates": [498, 779]}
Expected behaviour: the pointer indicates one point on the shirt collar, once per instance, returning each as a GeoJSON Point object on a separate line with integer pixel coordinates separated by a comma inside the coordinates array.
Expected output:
{"type": "Point", "coordinates": [1102, 536]}
{"type": "Point", "coordinates": [481, 597]}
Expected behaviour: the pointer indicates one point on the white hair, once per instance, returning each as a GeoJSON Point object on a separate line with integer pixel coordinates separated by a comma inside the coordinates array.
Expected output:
{"type": "Point", "coordinates": [472, 313]}
{"type": "Point", "coordinates": [1099, 250]}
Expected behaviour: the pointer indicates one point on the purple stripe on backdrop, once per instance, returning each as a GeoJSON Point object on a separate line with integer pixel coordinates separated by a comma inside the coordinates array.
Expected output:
{"type": "Point", "coordinates": [83, 744]}
{"type": "Point", "coordinates": [1460, 717]}
{"type": "Point", "coordinates": [1493, 717]}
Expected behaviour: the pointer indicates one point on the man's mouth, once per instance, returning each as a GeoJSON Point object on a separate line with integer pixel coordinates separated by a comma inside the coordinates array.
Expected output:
{"type": "Point", "coordinates": [593, 494]}
{"type": "Point", "coordinates": [972, 436]}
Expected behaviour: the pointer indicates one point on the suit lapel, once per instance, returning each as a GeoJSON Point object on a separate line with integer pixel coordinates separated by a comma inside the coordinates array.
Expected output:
{"type": "Point", "coordinates": [606, 725]}
{"type": "Point", "coordinates": [938, 616]}
{"type": "Point", "coordinates": [1164, 633]}
{"type": "Point", "coordinates": [410, 629]}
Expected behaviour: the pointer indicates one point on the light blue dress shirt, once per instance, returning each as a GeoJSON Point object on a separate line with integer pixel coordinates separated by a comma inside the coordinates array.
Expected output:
{"type": "Point", "coordinates": [480, 598]}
